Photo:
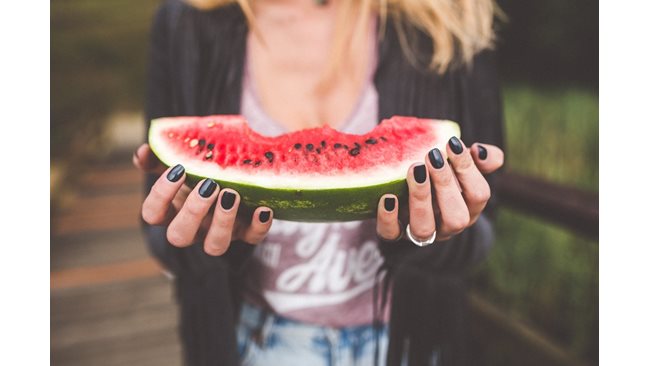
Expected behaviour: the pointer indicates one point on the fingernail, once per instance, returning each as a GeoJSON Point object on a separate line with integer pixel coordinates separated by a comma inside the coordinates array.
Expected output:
{"type": "Point", "coordinates": [420, 173]}
{"type": "Point", "coordinates": [227, 200]}
{"type": "Point", "coordinates": [176, 173]}
{"type": "Point", "coordinates": [436, 159]}
{"type": "Point", "coordinates": [264, 216]}
{"type": "Point", "coordinates": [456, 145]}
{"type": "Point", "coordinates": [207, 188]}
{"type": "Point", "coordinates": [482, 152]}
{"type": "Point", "coordinates": [389, 203]}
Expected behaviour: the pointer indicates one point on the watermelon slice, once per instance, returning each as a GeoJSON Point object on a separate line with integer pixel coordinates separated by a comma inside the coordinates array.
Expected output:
{"type": "Point", "coordinates": [313, 175]}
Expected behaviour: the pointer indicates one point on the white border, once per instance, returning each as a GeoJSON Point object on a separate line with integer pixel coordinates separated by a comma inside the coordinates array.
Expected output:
{"type": "Point", "coordinates": [624, 183]}
{"type": "Point", "coordinates": [24, 269]}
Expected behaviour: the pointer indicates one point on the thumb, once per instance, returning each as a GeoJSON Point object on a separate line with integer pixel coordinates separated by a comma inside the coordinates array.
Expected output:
{"type": "Point", "coordinates": [145, 160]}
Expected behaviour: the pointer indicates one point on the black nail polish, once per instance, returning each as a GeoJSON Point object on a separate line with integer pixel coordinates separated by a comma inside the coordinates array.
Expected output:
{"type": "Point", "coordinates": [176, 173]}
{"type": "Point", "coordinates": [389, 203]}
{"type": "Point", "coordinates": [227, 200]}
{"type": "Point", "coordinates": [482, 152]}
{"type": "Point", "coordinates": [207, 188]}
{"type": "Point", "coordinates": [436, 159]}
{"type": "Point", "coordinates": [456, 145]}
{"type": "Point", "coordinates": [420, 173]}
{"type": "Point", "coordinates": [265, 216]}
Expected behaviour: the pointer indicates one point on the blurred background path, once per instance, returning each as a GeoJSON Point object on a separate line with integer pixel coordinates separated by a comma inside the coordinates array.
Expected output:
{"type": "Point", "coordinates": [110, 302]}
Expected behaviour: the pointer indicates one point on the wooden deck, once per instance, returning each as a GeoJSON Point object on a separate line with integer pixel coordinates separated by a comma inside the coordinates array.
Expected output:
{"type": "Point", "coordinates": [111, 304]}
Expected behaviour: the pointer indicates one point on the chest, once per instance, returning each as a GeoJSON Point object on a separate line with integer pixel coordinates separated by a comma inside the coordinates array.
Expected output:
{"type": "Point", "coordinates": [291, 67]}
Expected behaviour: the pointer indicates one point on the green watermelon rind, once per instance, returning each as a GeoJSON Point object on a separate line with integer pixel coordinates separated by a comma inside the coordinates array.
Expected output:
{"type": "Point", "coordinates": [322, 205]}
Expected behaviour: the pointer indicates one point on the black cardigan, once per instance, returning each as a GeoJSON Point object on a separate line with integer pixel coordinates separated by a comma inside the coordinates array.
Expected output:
{"type": "Point", "coordinates": [195, 68]}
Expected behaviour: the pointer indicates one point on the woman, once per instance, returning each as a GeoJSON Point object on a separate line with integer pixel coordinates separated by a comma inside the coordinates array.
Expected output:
{"type": "Point", "coordinates": [292, 64]}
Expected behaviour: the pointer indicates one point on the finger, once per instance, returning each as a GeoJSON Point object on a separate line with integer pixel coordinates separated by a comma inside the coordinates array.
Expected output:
{"type": "Point", "coordinates": [454, 214]}
{"type": "Point", "coordinates": [388, 227]}
{"type": "Point", "coordinates": [487, 158]}
{"type": "Point", "coordinates": [183, 228]}
{"type": "Point", "coordinates": [156, 208]}
{"type": "Point", "coordinates": [421, 219]}
{"type": "Point", "coordinates": [259, 227]}
{"type": "Point", "coordinates": [219, 235]}
{"type": "Point", "coordinates": [475, 189]}
{"type": "Point", "coordinates": [145, 160]}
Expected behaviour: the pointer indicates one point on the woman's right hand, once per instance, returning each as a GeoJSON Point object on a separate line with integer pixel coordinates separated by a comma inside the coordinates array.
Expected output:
{"type": "Point", "coordinates": [191, 214]}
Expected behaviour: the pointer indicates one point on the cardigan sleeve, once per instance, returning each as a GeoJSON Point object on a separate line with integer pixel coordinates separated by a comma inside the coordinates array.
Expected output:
{"type": "Point", "coordinates": [158, 104]}
{"type": "Point", "coordinates": [205, 286]}
{"type": "Point", "coordinates": [481, 107]}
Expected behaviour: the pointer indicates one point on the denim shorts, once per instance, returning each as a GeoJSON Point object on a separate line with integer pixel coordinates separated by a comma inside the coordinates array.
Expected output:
{"type": "Point", "coordinates": [267, 339]}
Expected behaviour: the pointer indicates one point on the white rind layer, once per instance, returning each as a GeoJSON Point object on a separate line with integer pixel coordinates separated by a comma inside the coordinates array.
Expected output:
{"type": "Point", "coordinates": [302, 181]}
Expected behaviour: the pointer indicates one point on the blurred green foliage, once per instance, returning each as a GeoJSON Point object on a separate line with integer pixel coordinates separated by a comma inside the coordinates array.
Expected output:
{"type": "Point", "coordinates": [552, 133]}
{"type": "Point", "coordinates": [538, 272]}
{"type": "Point", "coordinates": [544, 274]}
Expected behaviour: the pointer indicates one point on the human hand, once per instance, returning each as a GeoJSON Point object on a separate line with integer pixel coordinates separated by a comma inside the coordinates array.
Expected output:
{"type": "Point", "coordinates": [459, 195]}
{"type": "Point", "coordinates": [191, 214]}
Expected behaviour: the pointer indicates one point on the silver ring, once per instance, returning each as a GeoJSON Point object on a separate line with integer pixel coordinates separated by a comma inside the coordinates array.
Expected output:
{"type": "Point", "coordinates": [417, 242]}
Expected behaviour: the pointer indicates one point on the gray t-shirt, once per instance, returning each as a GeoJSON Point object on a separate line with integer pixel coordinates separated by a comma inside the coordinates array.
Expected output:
{"type": "Point", "coordinates": [317, 273]}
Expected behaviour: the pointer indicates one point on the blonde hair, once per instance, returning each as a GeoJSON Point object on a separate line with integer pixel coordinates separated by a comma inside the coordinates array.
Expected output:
{"type": "Point", "coordinates": [457, 28]}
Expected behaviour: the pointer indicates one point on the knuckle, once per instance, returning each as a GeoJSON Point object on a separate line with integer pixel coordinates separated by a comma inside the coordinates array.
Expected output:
{"type": "Point", "coordinates": [386, 220]}
{"type": "Point", "coordinates": [254, 237]}
{"type": "Point", "coordinates": [156, 194]}
{"type": "Point", "coordinates": [195, 208]}
{"type": "Point", "coordinates": [387, 234]}
{"type": "Point", "coordinates": [175, 238]}
{"type": "Point", "coordinates": [458, 222]}
{"type": "Point", "coordinates": [215, 249]}
{"type": "Point", "coordinates": [420, 211]}
{"type": "Point", "coordinates": [479, 194]}
{"type": "Point", "coordinates": [218, 243]}
{"type": "Point", "coordinates": [150, 216]}
{"type": "Point", "coordinates": [421, 194]}
{"type": "Point", "coordinates": [443, 179]}
{"type": "Point", "coordinates": [388, 228]}
{"type": "Point", "coordinates": [422, 232]}
{"type": "Point", "coordinates": [463, 163]}
{"type": "Point", "coordinates": [224, 224]}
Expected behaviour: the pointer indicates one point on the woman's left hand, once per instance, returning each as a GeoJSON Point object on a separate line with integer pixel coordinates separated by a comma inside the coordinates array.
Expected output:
{"type": "Point", "coordinates": [445, 197]}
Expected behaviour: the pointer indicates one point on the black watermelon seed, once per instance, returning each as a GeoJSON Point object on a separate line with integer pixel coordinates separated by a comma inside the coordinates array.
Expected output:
{"type": "Point", "coordinates": [310, 147]}
{"type": "Point", "coordinates": [269, 155]}
{"type": "Point", "coordinates": [357, 145]}
{"type": "Point", "coordinates": [248, 161]}
{"type": "Point", "coordinates": [355, 151]}
{"type": "Point", "coordinates": [210, 146]}
{"type": "Point", "coordinates": [337, 146]}
{"type": "Point", "coordinates": [201, 142]}
{"type": "Point", "coordinates": [297, 146]}
{"type": "Point", "coordinates": [323, 144]}
{"type": "Point", "coordinates": [383, 138]}
{"type": "Point", "coordinates": [318, 150]}
{"type": "Point", "coordinates": [257, 163]}
{"type": "Point", "coordinates": [371, 141]}
{"type": "Point", "coordinates": [345, 147]}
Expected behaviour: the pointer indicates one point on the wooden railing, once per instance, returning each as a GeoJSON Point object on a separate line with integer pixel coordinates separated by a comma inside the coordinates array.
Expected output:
{"type": "Point", "coordinates": [571, 208]}
{"type": "Point", "coordinates": [567, 207]}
